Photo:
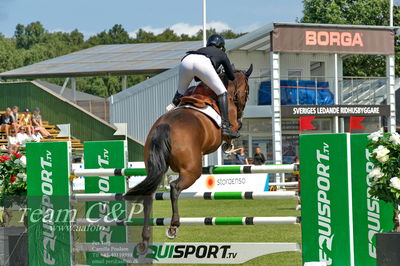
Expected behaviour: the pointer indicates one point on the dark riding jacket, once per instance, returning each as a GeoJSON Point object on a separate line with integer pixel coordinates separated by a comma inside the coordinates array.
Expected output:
{"type": "Point", "coordinates": [218, 58]}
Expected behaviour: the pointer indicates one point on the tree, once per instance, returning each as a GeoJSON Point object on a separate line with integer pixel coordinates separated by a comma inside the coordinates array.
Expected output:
{"type": "Point", "coordinates": [116, 35]}
{"type": "Point", "coordinates": [143, 36]}
{"type": "Point", "coordinates": [356, 12]}
{"type": "Point", "coordinates": [30, 35]}
{"type": "Point", "coordinates": [33, 43]}
{"type": "Point", "coordinates": [10, 58]}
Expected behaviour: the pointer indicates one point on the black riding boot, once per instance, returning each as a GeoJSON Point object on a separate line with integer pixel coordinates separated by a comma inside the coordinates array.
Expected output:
{"type": "Point", "coordinates": [226, 126]}
{"type": "Point", "coordinates": [177, 98]}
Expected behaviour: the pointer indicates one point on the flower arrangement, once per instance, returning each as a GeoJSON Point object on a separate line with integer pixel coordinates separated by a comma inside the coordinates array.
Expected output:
{"type": "Point", "coordinates": [12, 179]}
{"type": "Point", "coordinates": [386, 157]}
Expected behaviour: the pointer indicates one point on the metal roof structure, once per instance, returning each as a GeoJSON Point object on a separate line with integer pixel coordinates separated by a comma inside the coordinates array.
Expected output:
{"type": "Point", "coordinates": [109, 59]}
{"type": "Point", "coordinates": [123, 59]}
{"type": "Point", "coordinates": [68, 93]}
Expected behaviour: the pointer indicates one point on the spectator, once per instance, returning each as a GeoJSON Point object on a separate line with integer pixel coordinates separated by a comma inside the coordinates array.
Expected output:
{"type": "Point", "coordinates": [6, 122]}
{"type": "Point", "coordinates": [259, 157]}
{"type": "Point", "coordinates": [240, 156]}
{"type": "Point", "coordinates": [15, 116]}
{"type": "Point", "coordinates": [26, 121]}
{"type": "Point", "coordinates": [228, 160]}
{"type": "Point", "coordinates": [38, 123]}
{"type": "Point", "coordinates": [12, 139]}
{"type": "Point", "coordinates": [12, 150]}
{"type": "Point", "coordinates": [37, 136]}
{"type": "Point", "coordinates": [22, 137]}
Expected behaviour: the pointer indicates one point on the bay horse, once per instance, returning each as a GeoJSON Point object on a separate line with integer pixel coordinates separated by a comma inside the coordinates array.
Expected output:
{"type": "Point", "coordinates": [179, 139]}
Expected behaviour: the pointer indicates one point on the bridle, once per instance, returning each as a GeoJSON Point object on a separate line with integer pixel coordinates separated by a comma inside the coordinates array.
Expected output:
{"type": "Point", "coordinates": [236, 97]}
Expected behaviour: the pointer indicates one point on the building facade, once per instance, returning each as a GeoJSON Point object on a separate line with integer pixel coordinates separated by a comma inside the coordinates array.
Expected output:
{"type": "Point", "coordinates": [294, 65]}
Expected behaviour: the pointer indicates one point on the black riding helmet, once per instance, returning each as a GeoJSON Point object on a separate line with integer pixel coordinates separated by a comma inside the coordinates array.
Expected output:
{"type": "Point", "coordinates": [217, 41]}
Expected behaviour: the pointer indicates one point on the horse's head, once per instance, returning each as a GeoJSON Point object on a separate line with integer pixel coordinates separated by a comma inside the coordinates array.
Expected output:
{"type": "Point", "coordinates": [238, 91]}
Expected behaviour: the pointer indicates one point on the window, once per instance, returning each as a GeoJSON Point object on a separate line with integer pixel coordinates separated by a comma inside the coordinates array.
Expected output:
{"type": "Point", "coordinates": [294, 74]}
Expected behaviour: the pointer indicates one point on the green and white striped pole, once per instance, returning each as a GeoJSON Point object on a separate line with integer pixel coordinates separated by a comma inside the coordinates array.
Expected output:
{"type": "Point", "coordinates": [217, 170]}
{"type": "Point", "coordinates": [193, 221]}
{"type": "Point", "coordinates": [194, 196]}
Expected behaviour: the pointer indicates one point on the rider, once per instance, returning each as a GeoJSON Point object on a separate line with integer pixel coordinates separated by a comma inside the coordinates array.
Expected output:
{"type": "Point", "coordinates": [203, 64]}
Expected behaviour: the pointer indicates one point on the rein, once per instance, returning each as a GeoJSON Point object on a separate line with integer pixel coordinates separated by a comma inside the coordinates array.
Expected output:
{"type": "Point", "coordinates": [236, 99]}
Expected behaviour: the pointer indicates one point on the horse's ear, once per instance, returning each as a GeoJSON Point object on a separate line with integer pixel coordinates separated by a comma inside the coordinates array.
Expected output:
{"type": "Point", "coordinates": [249, 71]}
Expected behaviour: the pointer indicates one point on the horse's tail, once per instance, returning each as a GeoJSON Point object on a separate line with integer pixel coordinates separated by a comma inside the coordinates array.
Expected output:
{"type": "Point", "coordinates": [157, 162]}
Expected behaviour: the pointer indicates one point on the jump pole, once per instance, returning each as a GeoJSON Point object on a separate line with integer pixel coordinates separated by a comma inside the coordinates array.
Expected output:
{"type": "Point", "coordinates": [194, 196]}
{"type": "Point", "coordinates": [217, 170]}
{"type": "Point", "coordinates": [194, 221]}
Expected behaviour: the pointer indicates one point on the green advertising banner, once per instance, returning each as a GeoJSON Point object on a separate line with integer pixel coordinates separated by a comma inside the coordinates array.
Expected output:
{"type": "Point", "coordinates": [370, 215]}
{"type": "Point", "coordinates": [105, 154]}
{"type": "Point", "coordinates": [339, 218]}
{"type": "Point", "coordinates": [48, 166]}
{"type": "Point", "coordinates": [324, 199]}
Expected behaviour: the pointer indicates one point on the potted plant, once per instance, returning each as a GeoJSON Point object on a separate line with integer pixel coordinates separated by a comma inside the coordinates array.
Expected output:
{"type": "Point", "coordinates": [386, 186]}
{"type": "Point", "coordinates": [12, 184]}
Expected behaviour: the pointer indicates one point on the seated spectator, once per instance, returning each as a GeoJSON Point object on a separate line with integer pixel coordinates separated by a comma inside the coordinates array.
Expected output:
{"type": "Point", "coordinates": [12, 139]}
{"type": "Point", "coordinates": [37, 136]}
{"type": "Point", "coordinates": [38, 123]}
{"type": "Point", "coordinates": [15, 116]}
{"type": "Point", "coordinates": [240, 156]}
{"type": "Point", "coordinates": [259, 157]}
{"type": "Point", "coordinates": [6, 122]}
{"type": "Point", "coordinates": [25, 120]}
{"type": "Point", "coordinates": [22, 137]}
{"type": "Point", "coordinates": [12, 150]}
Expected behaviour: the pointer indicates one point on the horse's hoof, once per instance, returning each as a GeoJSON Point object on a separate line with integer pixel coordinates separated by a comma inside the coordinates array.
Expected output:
{"type": "Point", "coordinates": [226, 147]}
{"type": "Point", "coordinates": [142, 248]}
{"type": "Point", "coordinates": [171, 232]}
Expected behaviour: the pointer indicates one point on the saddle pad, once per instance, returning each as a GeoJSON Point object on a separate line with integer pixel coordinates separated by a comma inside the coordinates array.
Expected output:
{"type": "Point", "coordinates": [208, 111]}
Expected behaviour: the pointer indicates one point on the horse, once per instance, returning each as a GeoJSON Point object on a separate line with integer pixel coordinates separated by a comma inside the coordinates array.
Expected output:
{"type": "Point", "coordinates": [179, 139]}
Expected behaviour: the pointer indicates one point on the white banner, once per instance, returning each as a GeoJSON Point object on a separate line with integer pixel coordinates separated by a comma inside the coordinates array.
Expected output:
{"type": "Point", "coordinates": [188, 253]}
{"type": "Point", "coordinates": [206, 183]}
{"type": "Point", "coordinates": [230, 183]}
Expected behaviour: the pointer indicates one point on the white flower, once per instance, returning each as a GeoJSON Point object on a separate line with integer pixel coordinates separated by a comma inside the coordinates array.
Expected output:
{"type": "Point", "coordinates": [381, 153]}
{"type": "Point", "coordinates": [376, 173]}
{"type": "Point", "coordinates": [375, 135]}
{"type": "Point", "coordinates": [17, 161]}
{"type": "Point", "coordinates": [22, 176]}
{"type": "Point", "coordinates": [395, 139]}
{"type": "Point", "coordinates": [23, 161]}
{"type": "Point", "coordinates": [395, 182]}
{"type": "Point", "coordinates": [383, 159]}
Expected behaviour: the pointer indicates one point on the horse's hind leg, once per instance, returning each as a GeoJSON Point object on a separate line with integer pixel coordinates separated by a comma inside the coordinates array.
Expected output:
{"type": "Point", "coordinates": [174, 195]}
{"type": "Point", "coordinates": [142, 247]}
{"type": "Point", "coordinates": [185, 180]}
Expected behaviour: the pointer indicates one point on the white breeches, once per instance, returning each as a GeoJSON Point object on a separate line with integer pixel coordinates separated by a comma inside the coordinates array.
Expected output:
{"type": "Point", "coordinates": [201, 67]}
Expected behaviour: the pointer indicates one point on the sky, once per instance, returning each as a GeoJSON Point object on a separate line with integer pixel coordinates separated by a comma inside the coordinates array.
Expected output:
{"type": "Point", "coordinates": [183, 16]}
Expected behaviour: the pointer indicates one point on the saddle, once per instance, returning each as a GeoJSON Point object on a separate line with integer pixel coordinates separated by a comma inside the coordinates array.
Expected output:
{"type": "Point", "coordinates": [200, 96]}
